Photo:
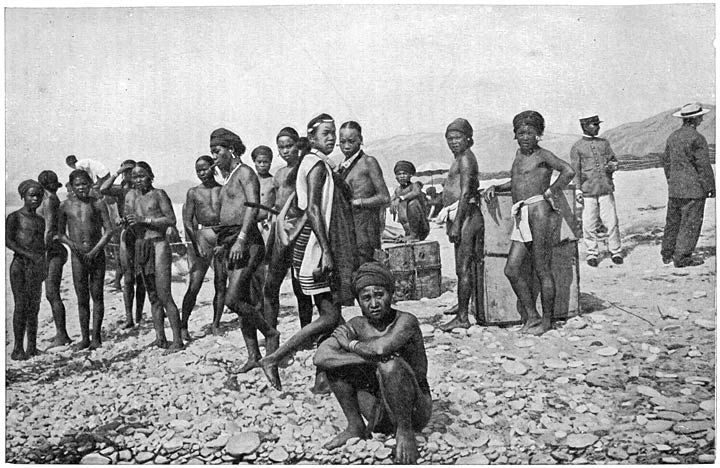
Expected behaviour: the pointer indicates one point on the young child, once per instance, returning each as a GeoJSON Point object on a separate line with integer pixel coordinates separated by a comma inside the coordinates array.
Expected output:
{"type": "Point", "coordinates": [88, 230]}
{"type": "Point", "coordinates": [536, 221]}
{"type": "Point", "coordinates": [25, 236]}
{"type": "Point", "coordinates": [408, 203]}
{"type": "Point", "coordinates": [262, 157]}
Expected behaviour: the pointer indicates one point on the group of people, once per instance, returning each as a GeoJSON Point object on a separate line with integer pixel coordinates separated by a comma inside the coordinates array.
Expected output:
{"type": "Point", "coordinates": [324, 222]}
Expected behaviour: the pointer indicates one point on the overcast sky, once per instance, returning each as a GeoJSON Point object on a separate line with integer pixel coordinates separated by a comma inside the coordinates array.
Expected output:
{"type": "Point", "coordinates": [152, 83]}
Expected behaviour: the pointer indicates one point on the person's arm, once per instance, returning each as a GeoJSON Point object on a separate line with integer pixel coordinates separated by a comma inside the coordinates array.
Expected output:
{"type": "Point", "coordinates": [250, 185]}
{"type": "Point", "coordinates": [382, 195]}
{"type": "Point", "coordinates": [465, 171]}
{"type": "Point", "coordinates": [53, 207]}
{"type": "Point", "coordinates": [11, 227]}
{"type": "Point", "coordinates": [489, 192]}
{"type": "Point", "coordinates": [404, 330]}
{"type": "Point", "coordinates": [665, 160]}
{"type": "Point", "coordinates": [565, 170]}
{"type": "Point", "coordinates": [167, 214]}
{"type": "Point", "coordinates": [415, 192]}
{"type": "Point", "coordinates": [701, 161]}
{"type": "Point", "coordinates": [107, 227]}
{"type": "Point", "coordinates": [316, 181]}
{"type": "Point", "coordinates": [61, 231]}
{"type": "Point", "coordinates": [188, 216]}
{"type": "Point", "coordinates": [576, 164]}
{"type": "Point", "coordinates": [330, 355]}
{"type": "Point", "coordinates": [612, 163]}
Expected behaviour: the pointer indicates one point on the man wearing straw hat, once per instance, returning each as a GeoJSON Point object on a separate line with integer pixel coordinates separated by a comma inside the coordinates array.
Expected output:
{"type": "Point", "coordinates": [690, 181]}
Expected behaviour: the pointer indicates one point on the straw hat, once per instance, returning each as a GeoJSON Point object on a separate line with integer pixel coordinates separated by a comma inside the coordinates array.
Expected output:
{"type": "Point", "coordinates": [691, 110]}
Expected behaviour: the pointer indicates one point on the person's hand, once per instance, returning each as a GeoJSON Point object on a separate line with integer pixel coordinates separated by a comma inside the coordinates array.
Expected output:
{"type": "Point", "coordinates": [356, 202]}
{"type": "Point", "coordinates": [341, 335]}
{"type": "Point", "coordinates": [550, 197]}
{"type": "Point", "coordinates": [132, 219]}
{"type": "Point", "coordinates": [37, 258]}
{"type": "Point", "coordinates": [489, 193]}
{"type": "Point", "coordinates": [711, 194]}
{"type": "Point", "coordinates": [327, 265]}
{"type": "Point", "coordinates": [394, 206]}
{"type": "Point", "coordinates": [579, 198]}
{"type": "Point", "coordinates": [90, 256]}
{"type": "Point", "coordinates": [454, 233]}
{"type": "Point", "coordinates": [201, 250]}
{"type": "Point", "coordinates": [124, 167]}
{"type": "Point", "coordinates": [611, 166]}
{"type": "Point", "coordinates": [237, 250]}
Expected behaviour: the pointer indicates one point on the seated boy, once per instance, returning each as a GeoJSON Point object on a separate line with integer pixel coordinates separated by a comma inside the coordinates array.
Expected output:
{"type": "Point", "coordinates": [536, 220]}
{"type": "Point", "coordinates": [408, 203]}
{"type": "Point", "coordinates": [85, 218]}
{"type": "Point", "coordinates": [377, 367]}
{"type": "Point", "coordinates": [25, 236]}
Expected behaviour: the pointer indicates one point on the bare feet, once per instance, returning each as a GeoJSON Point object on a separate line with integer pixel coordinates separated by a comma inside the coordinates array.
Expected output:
{"type": "Point", "coordinates": [248, 366]}
{"type": "Point", "coordinates": [217, 330]}
{"type": "Point", "coordinates": [60, 341]}
{"type": "Point", "coordinates": [184, 334]}
{"type": "Point", "coordinates": [129, 324]}
{"type": "Point", "coordinates": [406, 452]}
{"type": "Point", "coordinates": [457, 322]}
{"type": "Point", "coordinates": [95, 344]}
{"type": "Point", "coordinates": [18, 355]}
{"type": "Point", "coordinates": [176, 346]}
{"type": "Point", "coordinates": [321, 386]}
{"type": "Point", "coordinates": [452, 310]}
{"type": "Point", "coordinates": [162, 344]}
{"type": "Point", "coordinates": [537, 327]}
{"type": "Point", "coordinates": [340, 439]}
{"type": "Point", "coordinates": [270, 369]}
{"type": "Point", "coordinates": [84, 344]}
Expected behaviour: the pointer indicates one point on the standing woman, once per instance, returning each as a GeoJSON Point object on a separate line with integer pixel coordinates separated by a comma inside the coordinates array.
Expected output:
{"type": "Point", "coordinates": [151, 214]}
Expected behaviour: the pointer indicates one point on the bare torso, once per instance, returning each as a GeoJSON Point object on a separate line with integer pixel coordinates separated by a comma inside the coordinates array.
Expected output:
{"type": "Point", "coordinates": [27, 231]}
{"type": "Point", "coordinates": [84, 221]}
{"type": "Point", "coordinates": [48, 209]}
{"type": "Point", "coordinates": [233, 198]}
{"type": "Point", "coordinates": [206, 204]}
{"type": "Point", "coordinates": [530, 174]}
{"type": "Point", "coordinates": [464, 164]}
{"type": "Point", "coordinates": [283, 189]}
{"type": "Point", "coordinates": [153, 204]}
{"type": "Point", "coordinates": [267, 195]}
{"type": "Point", "coordinates": [364, 179]}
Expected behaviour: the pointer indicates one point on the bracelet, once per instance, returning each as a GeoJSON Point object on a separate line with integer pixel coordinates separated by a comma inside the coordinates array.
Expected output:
{"type": "Point", "coordinates": [352, 345]}
{"type": "Point", "coordinates": [241, 236]}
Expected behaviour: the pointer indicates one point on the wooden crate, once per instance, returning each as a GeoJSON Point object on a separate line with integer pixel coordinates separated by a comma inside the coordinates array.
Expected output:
{"type": "Point", "coordinates": [416, 268]}
{"type": "Point", "coordinates": [499, 298]}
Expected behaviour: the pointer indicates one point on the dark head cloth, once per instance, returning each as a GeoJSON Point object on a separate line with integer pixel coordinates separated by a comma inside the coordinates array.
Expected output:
{"type": "Point", "coordinates": [460, 125]}
{"type": "Point", "coordinates": [372, 274]}
{"type": "Point", "coordinates": [322, 118]}
{"type": "Point", "coordinates": [228, 139]}
{"type": "Point", "coordinates": [262, 149]}
{"type": "Point", "coordinates": [26, 185]}
{"type": "Point", "coordinates": [288, 132]}
{"type": "Point", "coordinates": [530, 118]}
{"type": "Point", "coordinates": [49, 180]}
{"type": "Point", "coordinates": [406, 166]}
{"type": "Point", "coordinates": [590, 120]}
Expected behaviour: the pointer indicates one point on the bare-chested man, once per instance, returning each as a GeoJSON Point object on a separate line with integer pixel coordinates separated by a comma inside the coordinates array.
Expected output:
{"type": "Point", "coordinates": [150, 217]}
{"type": "Point", "coordinates": [25, 236]}
{"type": "Point", "coordinates": [56, 255]}
{"type": "Point", "coordinates": [240, 244]}
{"type": "Point", "coordinates": [200, 212]}
{"type": "Point", "coordinates": [536, 220]}
{"type": "Point", "coordinates": [279, 256]}
{"type": "Point", "coordinates": [324, 254]}
{"type": "Point", "coordinates": [377, 367]}
{"type": "Point", "coordinates": [87, 222]}
{"type": "Point", "coordinates": [370, 195]}
{"type": "Point", "coordinates": [465, 225]}
{"type": "Point", "coordinates": [133, 286]}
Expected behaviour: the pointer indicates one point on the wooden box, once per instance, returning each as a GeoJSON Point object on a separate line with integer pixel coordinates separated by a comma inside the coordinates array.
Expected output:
{"type": "Point", "coordinates": [416, 268]}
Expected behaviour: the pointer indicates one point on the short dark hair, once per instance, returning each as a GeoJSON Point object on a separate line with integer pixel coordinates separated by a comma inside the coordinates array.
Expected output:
{"type": "Point", "coordinates": [262, 149]}
{"type": "Point", "coordinates": [80, 173]}
{"type": "Point", "coordinates": [147, 167]}
{"type": "Point", "coordinates": [71, 159]}
{"type": "Point", "coordinates": [206, 158]}
{"type": "Point", "coordinates": [352, 125]}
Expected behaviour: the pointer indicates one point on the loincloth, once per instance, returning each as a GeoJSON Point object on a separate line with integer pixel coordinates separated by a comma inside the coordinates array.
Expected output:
{"type": "Point", "coordinates": [226, 237]}
{"type": "Point", "coordinates": [521, 220]}
{"type": "Point", "coordinates": [145, 255]}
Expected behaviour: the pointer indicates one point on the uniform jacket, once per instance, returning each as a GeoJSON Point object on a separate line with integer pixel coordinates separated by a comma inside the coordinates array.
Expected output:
{"type": "Point", "coordinates": [588, 158]}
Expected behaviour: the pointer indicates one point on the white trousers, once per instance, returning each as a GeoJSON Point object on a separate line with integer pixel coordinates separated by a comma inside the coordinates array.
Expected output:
{"type": "Point", "coordinates": [601, 208]}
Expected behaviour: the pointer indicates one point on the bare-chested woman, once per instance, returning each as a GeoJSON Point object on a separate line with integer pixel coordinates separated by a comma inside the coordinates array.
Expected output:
{"type": "Point", "coordinates": [200, 212]}
{"type": "Point", "coordinates": [240, 245]}
{"type": "Point", "coordinates": [88, 230]}
{"type": "Point", "coordinates": [57, 255]}
{"type": "Point", "coordinates": [151, 215]}
{"type": "Point", "coordinates": [133, 286]}
{"type": "Point", "coordinates": [536, 220]}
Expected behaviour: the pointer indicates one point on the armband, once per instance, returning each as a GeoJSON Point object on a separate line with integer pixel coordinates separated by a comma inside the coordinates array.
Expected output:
{"type": "Point", "coordinates": [353, 344]}
{"type": "Point", "coordinates": [241, 236]}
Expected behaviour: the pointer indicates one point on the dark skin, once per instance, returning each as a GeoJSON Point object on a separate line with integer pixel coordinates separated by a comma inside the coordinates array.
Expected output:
{"type": "Point", "coordinates": [530, 176]}
{"type": "Point", "coordinates": [408, 191]}
{"type": "Point", "coordinates": [150, 217]}
{"type": "Point", "coordinates": [133, 287]}
{"type": "Point", "coordinates": [49, 210]}
{"type": "Point", "coordinates": [202, 206]}
{"type": "Point", "coordinates": [281, 259]}
{"type": "Point", "coordinates": [391, 342]}
{"type": "Point", "coordinates": [323, 139]}
{"type": "Point", "coordinates": [467, 230]}
{"type": "Point", "coordinates": [87, 222]}
{"type": "Point", "coordinates": [25, 236]}
{"type": "Point", "coordinates": [242, 186]}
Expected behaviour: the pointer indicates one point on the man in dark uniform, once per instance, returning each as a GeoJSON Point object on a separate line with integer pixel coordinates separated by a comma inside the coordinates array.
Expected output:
{"type": "Point", "coordinates": [690, 181]}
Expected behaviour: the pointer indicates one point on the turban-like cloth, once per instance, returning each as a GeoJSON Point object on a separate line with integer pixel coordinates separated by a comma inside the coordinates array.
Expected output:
{"type": "Point", "coordinates": [406, 166]}
{"type": "Point", "coordinates": [262, 149]}
{"type": "Point", "coordinates": [228, 139]}
{"type": "Point", "coordinates": [26, 185]}
{"type": "Point", "coordinates": [322, 118]}
{"type": "Point", "coordinates": [530, 118]}
{"type": "Point", "coordinates": [460, 125]}
{"type": "Point", "coordinates": [372, 274]}
{"type": "Point", "coordinates": [49, 180]}
{"type": "Point", "coordinates": [288, 132]}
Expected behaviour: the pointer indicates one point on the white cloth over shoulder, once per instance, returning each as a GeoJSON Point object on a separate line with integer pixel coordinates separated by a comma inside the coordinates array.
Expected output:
{"type": "Point", "coordinates": [96, 169]}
